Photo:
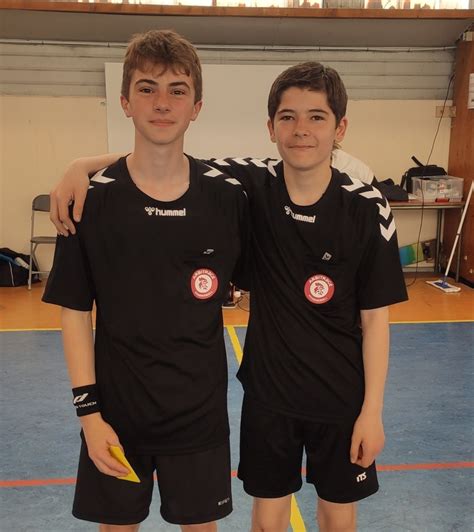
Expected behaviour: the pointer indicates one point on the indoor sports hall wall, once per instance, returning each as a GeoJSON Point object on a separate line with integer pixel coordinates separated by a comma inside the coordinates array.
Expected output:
{"type": "Point", "coordinates": [41, 134]}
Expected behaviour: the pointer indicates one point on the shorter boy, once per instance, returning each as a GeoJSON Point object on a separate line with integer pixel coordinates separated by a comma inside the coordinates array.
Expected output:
{"type": "Point", "coordinates": [158, 244]}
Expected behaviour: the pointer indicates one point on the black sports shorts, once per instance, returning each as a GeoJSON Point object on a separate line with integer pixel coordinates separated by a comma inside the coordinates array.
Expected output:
{"type": "Point", "coordinates": [271, 454]}
{"type": "Point", "coordinates": [194, 488]}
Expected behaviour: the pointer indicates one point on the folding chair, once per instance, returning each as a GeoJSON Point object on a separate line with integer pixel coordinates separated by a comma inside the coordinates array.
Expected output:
{"type": "Point", "coordinates": [40, 204]}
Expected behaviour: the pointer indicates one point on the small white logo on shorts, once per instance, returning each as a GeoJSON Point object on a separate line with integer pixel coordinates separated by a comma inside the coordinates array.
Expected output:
{"type": "Point", "coordinates": [224, 501]}
{"type": "Point", "coordinates": [327, 256]}
{"type": "Point", "coordinates": [361, 477]}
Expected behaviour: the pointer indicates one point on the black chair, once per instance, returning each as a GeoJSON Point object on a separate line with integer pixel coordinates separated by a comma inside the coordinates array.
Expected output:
{"type": "Point", "coordinates": [40, 204]}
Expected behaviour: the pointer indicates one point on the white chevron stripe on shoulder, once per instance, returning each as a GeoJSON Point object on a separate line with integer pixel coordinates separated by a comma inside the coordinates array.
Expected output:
{"type": "Point", "coordinates": [90, 186]}
{"type": "Point", "coordinates": [387, 232]}
{"type": "Point", "coordinates": [370, 194]}
{"type": "Point", "coordinates": [271, 166]}
{"type": "Point", "coordinates": [384, 210]}
{"type": "Point", "coordinates": [356, 184]}
{"type": "Point", "coordinates": [221, 162]}
{"type": "Point", "coordinates": [233, 181]}
{"type": "Point", "coordinates": [213, 172]}
{"type": "Point", "coordinates": [99, 177]}
{"type": "Point", "coordinates": [258, 162]}
{"type": "Point", "coordinates": [241, 161]}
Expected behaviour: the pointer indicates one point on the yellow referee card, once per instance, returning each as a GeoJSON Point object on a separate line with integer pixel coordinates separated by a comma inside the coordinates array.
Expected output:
{"type": "Point", "coordinates": [117, 453]}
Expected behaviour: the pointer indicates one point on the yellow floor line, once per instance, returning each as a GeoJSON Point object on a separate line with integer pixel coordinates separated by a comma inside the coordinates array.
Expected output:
{"type": "Point", "coordinates": [235, 343]}
{"type": "Point", "coordinates": [297, 523]}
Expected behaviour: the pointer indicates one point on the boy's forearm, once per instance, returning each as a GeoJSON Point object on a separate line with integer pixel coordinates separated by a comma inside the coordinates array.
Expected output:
{"type": "Point", "coordinates": [375, 352]}
{"type": "Point", "coordinates": [91, 165]}
{"type": "Point", "coordinates": [78, 346]}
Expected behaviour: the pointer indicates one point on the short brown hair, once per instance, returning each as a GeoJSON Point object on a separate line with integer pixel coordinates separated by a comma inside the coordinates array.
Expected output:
{"type": "Point", "coordinates": [162, 47]}
{"type": "Point", "coordinates": [313, 76]}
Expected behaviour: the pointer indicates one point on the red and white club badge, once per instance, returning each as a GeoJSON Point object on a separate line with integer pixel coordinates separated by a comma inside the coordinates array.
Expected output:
{"type": "Point", "coordinates": [319, 289]}
{"type": "Point", "coordinates": [204, 283]}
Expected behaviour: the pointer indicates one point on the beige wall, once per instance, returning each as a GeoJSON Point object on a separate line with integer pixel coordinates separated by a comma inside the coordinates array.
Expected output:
{"type": "Point", "coordinates": [40, 135]}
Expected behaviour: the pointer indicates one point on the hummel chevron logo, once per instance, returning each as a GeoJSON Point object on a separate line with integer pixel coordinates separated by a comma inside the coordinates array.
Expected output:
{"type": "Point", "coordinates": [241, 161]}
{"type": "Point", "coordinates": [374, 193]}
{"type": "Point", "coordinates": [384, 210]}
{"type": "Point", "coordinates": [258, 162]}
{"type": "Point", "coordinates": [271, 167]}
{"type": "Point", "coordinates": [387, 233]}
{"type": "Point", "coordinates": [356, 184]}
{"type": "Point", "coordinates": [100, 178]}
{"type": "Point", "coordinates": [221, 162]}
{"type": "Point", "coordinates": [233, 181]}
{"type": "Point", "coordinates": [213, 172]}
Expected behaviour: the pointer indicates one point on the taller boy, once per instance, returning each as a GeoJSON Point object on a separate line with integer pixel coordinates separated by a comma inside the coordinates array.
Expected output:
{"type": "Point", "coordinates": [158, 244]}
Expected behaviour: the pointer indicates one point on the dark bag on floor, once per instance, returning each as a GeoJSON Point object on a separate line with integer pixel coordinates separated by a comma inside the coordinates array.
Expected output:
{"type": "Point", "coordinates": [14, 268]}
{"type": "Point", "coordinates": [417, 171]}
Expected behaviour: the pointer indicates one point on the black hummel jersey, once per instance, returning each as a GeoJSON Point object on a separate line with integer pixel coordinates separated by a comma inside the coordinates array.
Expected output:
{"type": "Point", "coordinates": [313, 269]}
{"type": "Point", "coordinates": [158, 273]}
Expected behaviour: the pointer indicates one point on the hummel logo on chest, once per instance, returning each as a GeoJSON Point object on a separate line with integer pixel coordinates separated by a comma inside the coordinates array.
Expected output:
{"type": "Point", "coordinates": [300, 217]}
{"type": "Point", "coordinates": [327, 256]}
{"type": "Point", "coordinates": [165, 212]}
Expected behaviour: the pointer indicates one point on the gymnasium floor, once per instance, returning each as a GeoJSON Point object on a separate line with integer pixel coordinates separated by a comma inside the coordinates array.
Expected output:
{"type": "Point", "coordinates": [425, 470]}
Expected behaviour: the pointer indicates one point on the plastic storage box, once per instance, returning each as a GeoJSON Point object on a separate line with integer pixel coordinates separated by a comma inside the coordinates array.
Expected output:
{"type": "Point", "coordinates": [438, 188]}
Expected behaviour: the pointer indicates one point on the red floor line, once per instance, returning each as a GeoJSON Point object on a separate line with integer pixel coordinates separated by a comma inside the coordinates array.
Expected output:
{"type": "Point", "coordinates": [36, 482]}
{"type": "Point", "coordinates": [382, 467]}
{"type": "Point", "coordinates": [417, 467]}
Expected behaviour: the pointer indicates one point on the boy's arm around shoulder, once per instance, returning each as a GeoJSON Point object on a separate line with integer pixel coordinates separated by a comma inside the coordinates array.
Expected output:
{"type": "Point", "coordinates": [79, 354]}
{"type": "Point", "coordinates": [247, 170]}
{"type": "Point", "coordinates": [368, 435]}
{"type": "Point", "coordinates": [73, 188]}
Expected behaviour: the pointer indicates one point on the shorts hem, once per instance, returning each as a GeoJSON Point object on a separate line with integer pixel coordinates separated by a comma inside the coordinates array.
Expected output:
{"type": "Point", "coordinates": [196, 520]}
{"type": "Point", "coordinates": [348, 499]}
{"type": "Point", "coordinates": [110, 521]}
{"type": "Point", "coordinates": [264, 494]}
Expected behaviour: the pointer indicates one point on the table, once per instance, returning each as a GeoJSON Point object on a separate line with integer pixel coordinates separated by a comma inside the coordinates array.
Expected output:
{"type": "Point", "coordinates": [440, 207]}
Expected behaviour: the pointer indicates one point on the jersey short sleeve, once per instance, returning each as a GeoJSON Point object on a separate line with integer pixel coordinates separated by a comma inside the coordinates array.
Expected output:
{"type": "Point", "coordinates": [69, 283]}
{"type": "Point", "coordinates": [380, 276]}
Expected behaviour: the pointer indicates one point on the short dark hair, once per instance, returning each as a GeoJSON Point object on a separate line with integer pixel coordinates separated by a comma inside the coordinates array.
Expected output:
{"type": "Point", "coordinates": [313, 76]}
{"type": "Point", "coordinates": [162, 47]}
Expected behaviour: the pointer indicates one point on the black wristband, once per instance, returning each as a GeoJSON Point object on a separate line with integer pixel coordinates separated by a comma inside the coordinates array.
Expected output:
{"type": "Point", "coordinates": [86, 399]}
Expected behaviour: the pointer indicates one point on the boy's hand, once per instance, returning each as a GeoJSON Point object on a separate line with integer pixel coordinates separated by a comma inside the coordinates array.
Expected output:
{"type": "Point", "coordinates": [368, 439]}
{"type": "Point", "coordinates": [99, 437]}
{"type": "Point", "coordinates": [72, 188]}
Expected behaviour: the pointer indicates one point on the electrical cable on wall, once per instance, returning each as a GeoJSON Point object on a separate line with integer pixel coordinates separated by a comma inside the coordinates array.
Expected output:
{"type": "Point", "coordinates": [451, 79]}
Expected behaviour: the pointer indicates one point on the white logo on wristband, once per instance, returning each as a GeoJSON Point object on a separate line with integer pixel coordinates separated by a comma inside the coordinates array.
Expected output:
{"type": "Point", "coordinates": [80, 398]}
